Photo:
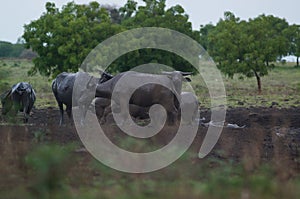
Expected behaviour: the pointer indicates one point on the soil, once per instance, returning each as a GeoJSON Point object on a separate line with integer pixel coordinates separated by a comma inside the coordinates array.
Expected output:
{"type": "Point", "coordinates": [271, 136]}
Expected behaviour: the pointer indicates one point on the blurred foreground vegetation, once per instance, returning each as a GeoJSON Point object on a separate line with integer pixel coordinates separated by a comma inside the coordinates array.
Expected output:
{"type": "Point", "coordinates": [56, 171]}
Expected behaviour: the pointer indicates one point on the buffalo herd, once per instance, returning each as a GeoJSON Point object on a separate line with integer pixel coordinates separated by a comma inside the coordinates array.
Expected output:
{"type": "Point", "coordinates": [165, 90]}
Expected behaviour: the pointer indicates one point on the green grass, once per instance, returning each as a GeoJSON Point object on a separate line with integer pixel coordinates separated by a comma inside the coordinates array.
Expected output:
{"type": "Point", "coordinates": [281, 87]}
{"type": "Point", "coordinates": [13, 71]}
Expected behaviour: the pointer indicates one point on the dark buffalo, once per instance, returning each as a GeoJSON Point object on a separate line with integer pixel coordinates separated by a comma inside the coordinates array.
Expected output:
{"type": "Point", "coordinates": [103, 108]}
{"type": "Point", "coordinates": [20, 97]}
{"type": "Point", "coordinates": [149, 94]}
{"type": "Point", "coordinates": [105, 76]}
{"type": "Point", "coordinates": [62, 87]}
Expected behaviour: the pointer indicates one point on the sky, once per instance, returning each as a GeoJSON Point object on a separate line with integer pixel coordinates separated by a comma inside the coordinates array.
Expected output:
{"type": "Point", "coordinates": [15, 13]}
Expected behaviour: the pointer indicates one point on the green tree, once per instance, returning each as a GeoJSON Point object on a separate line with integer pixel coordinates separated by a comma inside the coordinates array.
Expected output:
{"type": "Point", "coordinates": [266, 43]}
{"type": "Point", "coordinates": [63, 38]}
{"type": "Point", "coordinates": [226, 44]}
{"type": "Point", "coordinates": [5, 48]}
{"type": "Point", "coordinates": [267, 32]}
{"type": "Point", "coordinates": [8, 49]}
{"type": "Point", "coordinates": [292, 33]}
{"type": "Point", "coordinates": [248, 48]}
{"type": "Point", "coordinates": [204, 32]}
{"type": "Point", "coordinates": [128, 9]}
{"type": "Point", "coordinates": [154, 14]}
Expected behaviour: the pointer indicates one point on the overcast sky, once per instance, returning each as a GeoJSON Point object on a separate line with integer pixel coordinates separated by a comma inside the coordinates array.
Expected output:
{"type": "Point", "coordinates": [15, 13]}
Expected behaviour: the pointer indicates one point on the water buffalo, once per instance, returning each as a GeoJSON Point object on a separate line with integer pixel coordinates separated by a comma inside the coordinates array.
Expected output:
{"type": "Point", "coordinates": [20, 97]}
{"type": "Point", "coordinates": [62, 87]}
{"type": "Point", "coordinates": [148, 94]}
{"type": "Point", "coordinates": [103, 108]}
{"type": "Point", "coordinates": [189, 106]}
{"type": "Point", "coordinates": [105, 76]}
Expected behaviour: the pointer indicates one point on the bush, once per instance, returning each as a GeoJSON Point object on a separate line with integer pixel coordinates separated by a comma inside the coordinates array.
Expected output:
{"type": "Point", "coordinates": [49, 163]}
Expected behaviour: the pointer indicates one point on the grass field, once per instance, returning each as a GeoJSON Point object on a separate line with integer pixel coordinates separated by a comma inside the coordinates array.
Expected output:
{"type": "Point", "coordinates": [13, 71]}
{"type": "Point", "coordinates": [280, 88]}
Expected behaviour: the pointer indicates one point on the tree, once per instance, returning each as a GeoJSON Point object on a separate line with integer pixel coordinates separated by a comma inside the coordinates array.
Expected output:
{"type": "Point", "coordinates": [63, 38]}
{"type": "Point", "coordinates": [248, 48]}
{"type": "Point", "coordinates": [113, 13]}
{"type": "Point", "coordinates": [154, 14]}
{"type": "Point", "coordinates": [8, 49]}
{"type": "Point", "coordinates": [266, 44]}
{"type": "Point", "coordinates": [128, 9]}
{"type": "Point", "coordinates": [292, 33]}
{"type": "Point", "coordinates": [5, 48]}
{"type": "Point", "coordinates": [204, 31]}
{"type": "Point", "coordinates": [226, 44]}
{"type": "Point", "coordinates": [268, 35]}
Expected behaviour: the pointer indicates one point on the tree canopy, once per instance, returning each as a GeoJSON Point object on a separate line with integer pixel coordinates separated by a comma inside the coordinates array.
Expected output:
{"type": "Point", "coordinates": [292, 33]}
{"type": "Point", "coordinates": [63, 38]}
{"type": "Point", "coordinates": [246, 47]}
{"type": "Point", "coordinates": [8, 49]}
{"type": "Point", "coordinates": [154, 14]}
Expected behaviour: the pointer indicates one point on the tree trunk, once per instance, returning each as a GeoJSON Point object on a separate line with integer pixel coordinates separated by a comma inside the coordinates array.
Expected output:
{"type": "Point", "coordinates": [297, 61]}
{"type": "Point", "coordinates": [258, 82]}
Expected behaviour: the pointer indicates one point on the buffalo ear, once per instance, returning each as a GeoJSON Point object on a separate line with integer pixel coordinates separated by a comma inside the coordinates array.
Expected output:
{"type": "Point", "coordinates": [108, 75]}
{"type": "Point", "coordinates": [186, 73]}
{"type": "Point", "coordinates": [187, 79]}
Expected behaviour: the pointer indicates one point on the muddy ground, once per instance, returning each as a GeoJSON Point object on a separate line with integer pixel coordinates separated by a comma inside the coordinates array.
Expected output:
{"type": "Point", "coordinates": [271, 136]}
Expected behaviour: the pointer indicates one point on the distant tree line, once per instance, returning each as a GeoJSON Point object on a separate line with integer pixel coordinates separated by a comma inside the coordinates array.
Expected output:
{"type": "Point", "coordinates": [18, 50]}
{"type": "Point", "coordinates": [64, 37]}
{"type": "Point", "coordinates": [8, 49]}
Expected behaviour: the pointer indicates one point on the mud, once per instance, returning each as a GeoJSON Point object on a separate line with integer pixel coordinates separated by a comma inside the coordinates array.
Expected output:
{"type": "Point", "coordinates": [271, 136]}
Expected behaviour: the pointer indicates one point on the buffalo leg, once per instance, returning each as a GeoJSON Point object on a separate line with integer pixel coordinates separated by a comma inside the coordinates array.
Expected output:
{"type": "Point", "coordinates": [69, 111]}
{"type": "Point", "coordinates": [61, 109]}
{"type": "Point", "coordinates": [25, 103]}
{"type": "Point", "coordinates": [99, 112]}
{"type": "Point", "coordinates": [26, 116]}
{"type": "Point", "coordinates": [171, 118]}
{"type": "Point", "coordinates": [172, 115]}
